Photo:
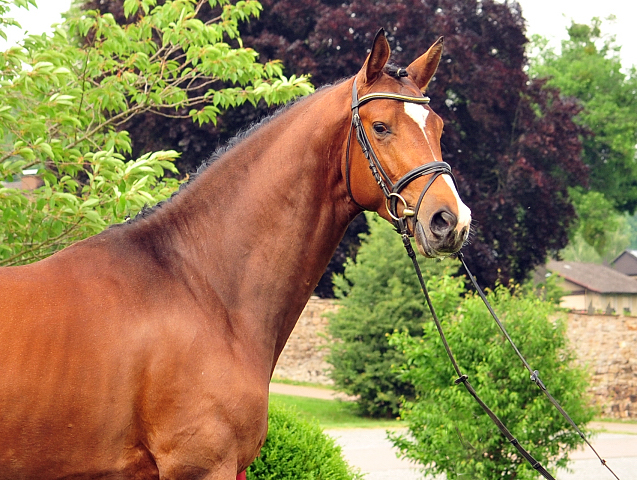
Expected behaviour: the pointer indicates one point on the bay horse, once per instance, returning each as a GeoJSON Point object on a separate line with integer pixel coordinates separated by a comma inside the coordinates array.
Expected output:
{"type": "Point", "coordinates": [146, 351]}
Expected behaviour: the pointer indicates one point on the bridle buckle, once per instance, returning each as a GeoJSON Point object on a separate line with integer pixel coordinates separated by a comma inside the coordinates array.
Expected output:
{"type": "Point", "coordinates": [407, 212]}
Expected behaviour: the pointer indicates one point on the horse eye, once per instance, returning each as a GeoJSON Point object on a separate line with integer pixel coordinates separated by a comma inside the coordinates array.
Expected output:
{"type": "Point", "coordinates": [380, 128]}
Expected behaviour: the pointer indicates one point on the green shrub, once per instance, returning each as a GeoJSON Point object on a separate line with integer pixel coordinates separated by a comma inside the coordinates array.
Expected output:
{"type": "Point", "coordinates": [297, 449]}
{"type": "Point", "coordinates": [448, 431]}
{"type": "Point", "coordinates": [379, 293]}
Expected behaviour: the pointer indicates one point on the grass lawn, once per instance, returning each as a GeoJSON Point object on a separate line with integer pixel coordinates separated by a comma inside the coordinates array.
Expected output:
{"type": "Point", "coordinates": [331, 413]}
{"type": "Point", "coordinates": [287, 381]}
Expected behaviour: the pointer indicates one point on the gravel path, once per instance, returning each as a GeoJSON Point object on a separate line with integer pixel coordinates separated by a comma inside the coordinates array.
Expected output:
{"type": "Point", "coordinates": [369, 450]}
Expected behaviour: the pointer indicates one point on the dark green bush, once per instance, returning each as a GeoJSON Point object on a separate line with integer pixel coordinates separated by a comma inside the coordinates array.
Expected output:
{"type": "Point", "coordinates": [297, 449]}
{"type": "Point", "coordinates": [379, 293]}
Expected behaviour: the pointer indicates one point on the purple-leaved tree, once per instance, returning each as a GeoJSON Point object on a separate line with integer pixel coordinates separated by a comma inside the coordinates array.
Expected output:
{"type": "Point", "coordinates": [512, 142]}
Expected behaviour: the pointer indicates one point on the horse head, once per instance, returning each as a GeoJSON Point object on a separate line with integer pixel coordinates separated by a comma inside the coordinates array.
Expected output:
{"type": "Point", "coordinates": [399, 136]}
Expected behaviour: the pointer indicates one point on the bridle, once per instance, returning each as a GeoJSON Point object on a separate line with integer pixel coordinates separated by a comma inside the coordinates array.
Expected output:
{"type": "Point", "coordinates": [392, 191]}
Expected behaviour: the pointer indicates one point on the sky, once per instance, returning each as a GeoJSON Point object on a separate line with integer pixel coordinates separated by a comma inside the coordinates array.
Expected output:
{"type": "Point", "coordinates": [545, 17]}
{"type": "Point", "coordinates": [550, 18]}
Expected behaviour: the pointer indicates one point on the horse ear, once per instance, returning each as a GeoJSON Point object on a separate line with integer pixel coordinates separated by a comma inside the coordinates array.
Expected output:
{"type": "Point", "coordinates": [423, 68]}
{"type": "Point", "coordinates": [376, 60]}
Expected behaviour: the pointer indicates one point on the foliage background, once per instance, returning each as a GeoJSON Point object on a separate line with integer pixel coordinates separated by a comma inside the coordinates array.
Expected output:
{"type": "Point", "coordinates": [588, 68]}
{"type": "Point", "coordinates": [65, 98]}
{"type": "Point", "coordinates": [520, 182]}
{"type": "Point", "coordinates": [512, 143]}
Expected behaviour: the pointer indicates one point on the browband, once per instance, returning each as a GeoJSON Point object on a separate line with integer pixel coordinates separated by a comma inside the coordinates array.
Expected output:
{"type": "Point", "coordinates": [391, 96]}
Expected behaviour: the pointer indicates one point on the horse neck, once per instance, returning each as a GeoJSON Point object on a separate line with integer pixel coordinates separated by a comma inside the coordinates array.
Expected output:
{"type": "Point", "coordinates": [255, 231]}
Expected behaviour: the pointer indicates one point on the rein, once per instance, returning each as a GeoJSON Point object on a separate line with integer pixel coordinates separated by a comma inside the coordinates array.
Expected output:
{"type": "Point", "coordinates": [392, 196]}
{"type": "Point", "coordinates": [464, 379]}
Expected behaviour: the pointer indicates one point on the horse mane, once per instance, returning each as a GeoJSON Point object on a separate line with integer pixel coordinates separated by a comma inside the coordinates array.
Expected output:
{"type": "Point", "coordinates": [242, 135]}
{"type": "Point", "coordinates": [390, 69]}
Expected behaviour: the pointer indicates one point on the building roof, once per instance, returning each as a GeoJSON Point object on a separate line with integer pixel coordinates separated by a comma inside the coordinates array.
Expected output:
{"type": "Point", "coordinates": [626, 262]}
{"type": "Point", "coordinates": [594, 277]}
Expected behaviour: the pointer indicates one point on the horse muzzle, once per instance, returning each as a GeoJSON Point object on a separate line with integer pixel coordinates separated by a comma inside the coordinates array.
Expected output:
{"type": "Point", "coordinates": [442, 236]}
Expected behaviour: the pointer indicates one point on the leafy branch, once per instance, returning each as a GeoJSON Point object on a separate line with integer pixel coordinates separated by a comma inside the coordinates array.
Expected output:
{"type": "Point", "coordinates": [65, 97]}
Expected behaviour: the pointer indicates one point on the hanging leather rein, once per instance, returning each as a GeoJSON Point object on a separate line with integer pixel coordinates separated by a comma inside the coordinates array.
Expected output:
{"type": "Point", "coordinates": [392, 191]}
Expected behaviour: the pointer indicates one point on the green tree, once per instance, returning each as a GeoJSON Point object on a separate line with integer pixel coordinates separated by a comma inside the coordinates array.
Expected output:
{"type": "Point", "coordinates": [64, 98]}
{"type": "Point", "coordinates": [601, 233]}
{"type": "Point", "coordinates": [378, 293]}
{"type": "Point", "coordinates": [448, 431]}
{"type": "Point", "coordinates": [589, 69]}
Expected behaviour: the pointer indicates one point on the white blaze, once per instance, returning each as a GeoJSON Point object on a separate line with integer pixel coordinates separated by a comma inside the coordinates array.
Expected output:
{"type": "Point", "coordinates": [419, 114]}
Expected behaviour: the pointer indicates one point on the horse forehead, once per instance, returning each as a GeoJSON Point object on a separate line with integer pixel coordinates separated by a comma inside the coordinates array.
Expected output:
{"type": "Point", "coordinates": [423, 117]}
{"type": "Point", "coordinates": [418, 114]}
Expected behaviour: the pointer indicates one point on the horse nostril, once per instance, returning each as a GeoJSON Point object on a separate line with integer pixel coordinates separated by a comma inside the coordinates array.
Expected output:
{"type": "Point", "coordinates": [443, 222]}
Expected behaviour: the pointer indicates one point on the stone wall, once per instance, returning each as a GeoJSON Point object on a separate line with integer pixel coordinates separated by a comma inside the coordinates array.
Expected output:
{"type": "Point", "coordinates": [303, 358]}
{"type": "Point", "coordinates": [606, 344]}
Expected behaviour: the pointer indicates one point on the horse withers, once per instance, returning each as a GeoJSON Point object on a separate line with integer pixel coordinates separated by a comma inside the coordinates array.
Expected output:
{"type": "Point", "coordinates": [145, 352]}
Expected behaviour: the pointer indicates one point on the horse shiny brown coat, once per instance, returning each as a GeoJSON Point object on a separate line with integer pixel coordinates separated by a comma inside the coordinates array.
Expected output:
{"type": "Point", "coordinates": [145, 352]}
